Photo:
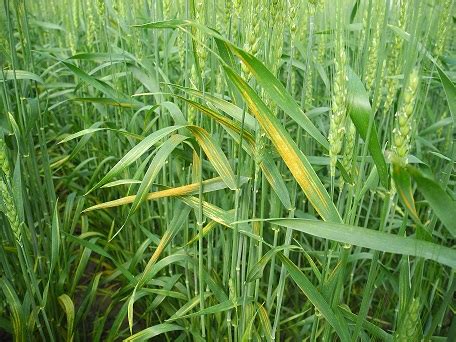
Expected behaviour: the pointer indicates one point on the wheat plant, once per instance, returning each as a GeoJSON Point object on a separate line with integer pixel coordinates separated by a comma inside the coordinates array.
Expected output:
{"type": "Point", "coordinates": [227, 170]}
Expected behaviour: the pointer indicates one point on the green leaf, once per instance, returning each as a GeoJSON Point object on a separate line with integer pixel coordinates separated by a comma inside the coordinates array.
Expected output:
{"type": "Point", "coordinates": [101, 57]}
{"type": "Point", "coordinates": [147, 334]}
{"type": "Point", "coordinates": [108, 101]}
{"type": "Point", "coordinates": [8, 75]}
{"type": "Point", "coordinates": [102, 86]}
{"type": "Point", "coordinates": [360, 112]}
{"type": "Point", "coordinates": [47, 25]}
{"type": "Point", "coordinates": [354, 11]}
{"type": "Point", "coordinates": [175, 112]}
{"type": "Point", "coordinates": [87, 134]}
{"type": "Point", "coordinates": [217, 308]}
{"type": "Point", "coordinates": [99, 250]}
{"type": "Point", "coordinates": [135, 153]}
{"type": "Point", "coordinates": [370, 327]}
{"type": "Point", "coordinates": [81, 241]}
{"type": "Point", "coordinates": [333, 317]}
{"type": "Point", "coordinates": [258, 268]}
{"type": "Point", "coordinates": [450, 91]}
{"type": "Point", "coordinates": [55, 238]}
{"type": "Point", "coordinates": [86, 307]}
{"type": "Point", "coordinates": [94, 128]}
{"type": "Point", "coordinates": [121, 182]}
{"type": "Point", "coordinates": [439, 200]}
{"type": "Point", "coordinates": [373, 239]}
{"type": "Point", "coordinates": [154, 168]}
{"type": "Point", "coordinates": [189, 305]}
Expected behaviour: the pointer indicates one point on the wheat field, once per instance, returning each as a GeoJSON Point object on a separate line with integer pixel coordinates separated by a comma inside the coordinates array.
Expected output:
{"type": "Point", "coordinates": [227, 170]}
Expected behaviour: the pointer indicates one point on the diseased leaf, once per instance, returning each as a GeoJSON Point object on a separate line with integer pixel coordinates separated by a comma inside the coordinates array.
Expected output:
{"type": "Point", "coordinates": [271, 85]}
{"type": "Point", "coordinates": [18, 320]}
{"type": "Point", "coordinates": [68, 306]}
{"type": "Point", "coordinates": [404, 189]}
{"type": "Point", "coordinates": [209, 185]}
{"type": "Point", "coordinates": [265, 323]}
{"type": "Point", "coordinates": [215, 155]}
{"type": "Point", "coordinates": [298, 164]}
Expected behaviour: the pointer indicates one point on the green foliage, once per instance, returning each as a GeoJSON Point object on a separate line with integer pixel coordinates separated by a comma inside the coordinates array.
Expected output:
{"type": "Point", "coordinates": [200, 170]}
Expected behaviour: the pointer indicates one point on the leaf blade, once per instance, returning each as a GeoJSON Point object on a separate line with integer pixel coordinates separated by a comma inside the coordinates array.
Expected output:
{"type": "Point", "coordinates": [373, 239]}
{"type": "Point", "coordinates": [289, 151]}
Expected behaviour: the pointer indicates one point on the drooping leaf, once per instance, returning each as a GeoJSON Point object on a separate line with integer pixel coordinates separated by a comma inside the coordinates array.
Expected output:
{"type": "Point", "coordinates": [267, 165]}
{"type": "Point", "coordinates": [373, 239]}
{"type": "Point", "coordinates": [370, 327]}
{"type": "Point", "coordinates": [175, 225]}
{"type": "Point", "coordinates": [277, 92]}
{"type": "Point", "coordinates": [256, 271]}
{"type": "Point", "coordinates": [101, 86]}
{"type": "Point", "coordinates": [206, 230]}
{"type": "Point", "coordinates": [275, 180]}
{"type": "Point", "coordinates": [227, 107]}
{"type": "Point", "coordinates": [8, 75]}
